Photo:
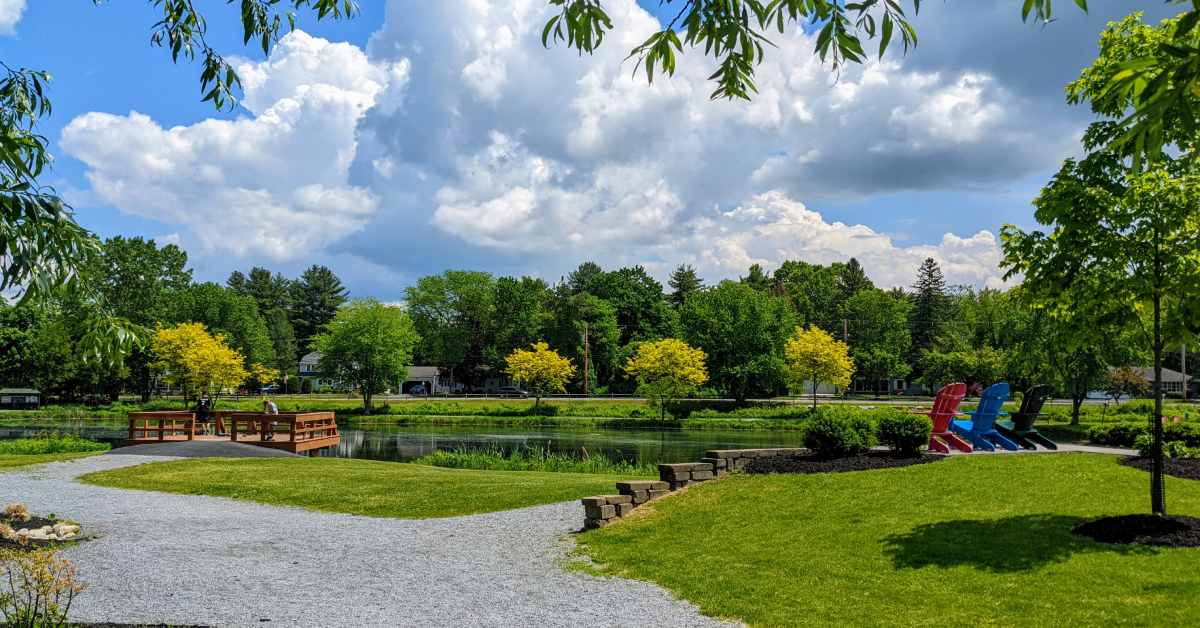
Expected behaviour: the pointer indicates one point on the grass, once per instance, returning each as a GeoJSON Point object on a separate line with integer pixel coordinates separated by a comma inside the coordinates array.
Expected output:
{"type": "Point", "coordinates": [360, 487]}
{"type": "Point", "coordinates": [13, 461]}
{"type": "Point", "coordinates": [974, 540]}
{"type": "Point", "coordinates": [535, 459]}
{"type": "Point", "coordinates": [51, 443]}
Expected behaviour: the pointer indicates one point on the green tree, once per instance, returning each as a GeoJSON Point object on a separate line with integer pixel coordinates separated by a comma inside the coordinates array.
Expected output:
{"type": "Point", "coordinates": [584, 327]}
{"type": "Point", "coordinates": [453, 314]}
{"type": "Point", "coordinates": [521, 312]}
{"type": "Point", "coordinates": [879, 336]}
{"type": "Point", "coordinates": [742, 331]}
{"type": "Point", "coordinates": [684, 284]}
{"type": "Point", "coordinates": [1114, 256]}
{"type": "Point", "coordinates": [813, 291]}
{"type": "Point", "coordinates": [929, 305]}
{"type": "Point", "coordinates": [758, 278]}
{"type": "Point", "coordinates": [367, 347]}
{"type": "Point", "coordinates": [315, 299]}
{"type": "Point", "coordinates": [852, 279]}
{"type": "Point", "coordinates": [642, 313]}
{"type": "Point", "coordinates": [233, 315]}
{"type": "Point", "coordinates": [283, 343]}
{"type": "Point", "coordinates": [813, 356]}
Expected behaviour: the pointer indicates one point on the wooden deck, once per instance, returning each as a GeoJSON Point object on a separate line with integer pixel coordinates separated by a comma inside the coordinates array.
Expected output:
{"type": "Point", "coordinates": [296, 433]}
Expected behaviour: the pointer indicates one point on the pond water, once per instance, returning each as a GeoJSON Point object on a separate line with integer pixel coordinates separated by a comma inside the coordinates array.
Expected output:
{"type": "Point", "coordinates": [396, 443]}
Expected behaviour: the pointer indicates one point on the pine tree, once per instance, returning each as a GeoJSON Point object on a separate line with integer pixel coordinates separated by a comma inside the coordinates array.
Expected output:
{"type": "Point", "coordinates": [316, 297]}
{"type": "Point", "coordinates": [283, 337]}
{"type": "Point", "coordinates": [929, 305]}
{"type": "Point", "coordinates": [852, 279]}
{"type": "Point", "coordinates": [758, 278]}
{"type": "Point", "coordinates": [684, 283]}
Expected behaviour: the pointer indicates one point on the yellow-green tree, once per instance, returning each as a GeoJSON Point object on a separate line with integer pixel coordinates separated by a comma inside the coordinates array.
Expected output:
{"type": "Point", "coordinates": [667, 369]}
{"type": "Point", "coordinates": [542, 371]}
{"type": "Point", "coordinates": [196, 360]}
{"type": "Point", "coordinates": [813, 356]}
{"type": "Point", "coordinates": [264, 374]}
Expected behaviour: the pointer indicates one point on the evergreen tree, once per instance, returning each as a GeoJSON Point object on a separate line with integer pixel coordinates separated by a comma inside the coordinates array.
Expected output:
{"type": "Point", "coordinates": [684, 283]}
{"type": "Point", "coordinates": [852, 279]}
{"type": "Point", "coordinates": [758, 278]}
{"type": "Point", "coordinates": [315, 299]}
{"type": "Point", "coordinates": [929, 305]}
{"type": "Point", "coordinates": [585, 278]}
{"type": "Point", "coordinates": [283, 338]}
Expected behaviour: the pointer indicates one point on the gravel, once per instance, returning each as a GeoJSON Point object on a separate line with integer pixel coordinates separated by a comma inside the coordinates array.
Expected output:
{"type": "Point", "coordinates": [185, 559]}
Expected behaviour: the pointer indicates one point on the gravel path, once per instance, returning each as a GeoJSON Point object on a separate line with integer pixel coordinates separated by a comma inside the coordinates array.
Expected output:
{"type": "Point", "coordinates": [204, 560]}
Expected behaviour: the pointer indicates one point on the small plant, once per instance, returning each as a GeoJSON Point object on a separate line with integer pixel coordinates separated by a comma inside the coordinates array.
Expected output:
{"type": "Point", "coordinates": [834, 436]}
{"type": "Point", "coordinates": [39, 589]}
{"type": "Point", "coordinates": [7, 533]}
{"type": "Point", "coordinates": [16, 512]}
{"type": "Point", "coordinates": [906, 434]}
{"type": "Point", "coordinates": [1171, 449]}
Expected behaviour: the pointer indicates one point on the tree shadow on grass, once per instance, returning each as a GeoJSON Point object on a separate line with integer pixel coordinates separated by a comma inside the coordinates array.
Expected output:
{"type": "Point", "coordinates": [1011, 544]}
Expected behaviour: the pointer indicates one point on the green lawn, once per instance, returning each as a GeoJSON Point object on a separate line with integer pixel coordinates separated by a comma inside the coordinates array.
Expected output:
{"type": "Point", "coordinates": [360, 487]}
{"type": "Point", "coordinates": [8, 461]}
{"type": "Point", "coordinates": [982, 540]}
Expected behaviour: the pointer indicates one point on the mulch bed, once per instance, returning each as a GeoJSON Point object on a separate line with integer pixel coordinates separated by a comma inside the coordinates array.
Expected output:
{"type": "Point", "coordinates": [810, 463]}
{"type": "Point", "coordinates": [1186, 468]}
{"type": "Point", "coordinates": [1170, 531]}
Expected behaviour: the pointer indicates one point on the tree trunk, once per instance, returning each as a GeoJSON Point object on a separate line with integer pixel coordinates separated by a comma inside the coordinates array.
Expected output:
{"type": "Point", "coordinates": [1158, 496]}
{"type": "Point", "coordinates": [1076, 404]}
{"type": "Point", "coordinates": [366, 395]}
{"type": "Point", "coordinates": [814, 393]}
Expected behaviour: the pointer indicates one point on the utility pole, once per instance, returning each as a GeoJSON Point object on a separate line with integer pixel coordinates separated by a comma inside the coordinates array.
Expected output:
{"type": "Point", "coordinates": [1183, 367]}
{"type": "Point", "coordinates": [586, 375]}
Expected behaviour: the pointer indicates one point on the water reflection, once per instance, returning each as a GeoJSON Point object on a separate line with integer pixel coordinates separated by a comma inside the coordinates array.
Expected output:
{"type": "Point", "coordinates": [395, 443]}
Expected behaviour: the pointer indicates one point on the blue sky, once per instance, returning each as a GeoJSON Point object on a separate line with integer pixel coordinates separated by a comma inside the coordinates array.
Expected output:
{"type": "Point", "coordinates": [459, 153]}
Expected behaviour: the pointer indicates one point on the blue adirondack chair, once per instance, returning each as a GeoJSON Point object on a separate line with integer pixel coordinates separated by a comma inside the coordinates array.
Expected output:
{"type": "Point", "coordinates": [981, 429]}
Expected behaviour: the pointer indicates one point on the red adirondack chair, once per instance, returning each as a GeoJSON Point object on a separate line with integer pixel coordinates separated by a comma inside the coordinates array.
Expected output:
{"type": "Point", "coordinates": [945, 408]}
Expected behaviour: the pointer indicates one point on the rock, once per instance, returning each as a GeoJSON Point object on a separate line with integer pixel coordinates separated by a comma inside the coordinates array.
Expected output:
{"type": "Point", "coordinates": [641, 497]}
{"type": "Point", "coordinates": [619, 499]}
{"type": "Point", "coordinates": [595, 501]}
{"type": "Point", "coordinates": [656, 494]}
{"type": "Point", "coordinates": [600, 512]}
{"type": "Point", "coordinates": [702, 475]}
{"type": "Point", "coordinates": [629, 488]}
{"type": "Point", "coordinates": [624, 509]}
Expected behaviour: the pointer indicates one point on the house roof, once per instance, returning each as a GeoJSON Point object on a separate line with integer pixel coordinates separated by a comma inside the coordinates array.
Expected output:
{"type": "Point", "coordinates": [19, 391]}
{"type": "Point", "coordinates": [314, 356]}
{"type": "Point", "coordinates": [424, 372]}
{"type": "Point", "coordinates": [1168, 375]}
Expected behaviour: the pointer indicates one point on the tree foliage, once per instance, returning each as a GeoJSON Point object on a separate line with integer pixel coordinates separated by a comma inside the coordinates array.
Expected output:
{"type": "Point", "coordinates": [813, 356]}
{"type": "Point", "coordinates": [667, 369]}
{"type": "Point", "coordinates": [540, 369]}
{"type": "Point", "coordinates": [199, 362]}
{"type": "Point", "coordinates": [367, 347]}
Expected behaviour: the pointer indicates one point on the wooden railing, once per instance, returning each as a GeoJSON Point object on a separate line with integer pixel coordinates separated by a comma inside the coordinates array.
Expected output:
{"type": "Point", "coordinates": [161, 425]}
{"type": "Point", "coordinates": [292, 428]}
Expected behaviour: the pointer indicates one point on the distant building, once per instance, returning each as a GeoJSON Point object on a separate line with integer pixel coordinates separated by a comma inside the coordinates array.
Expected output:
{"type": "Point", "coordinates": [310, 369]}
{"type": "Point", "coordinates": [20, 399]}
{"type": "Point", "coordinates": [425, 381]}
{"type": "Point", "coordinates": [1172, 381]}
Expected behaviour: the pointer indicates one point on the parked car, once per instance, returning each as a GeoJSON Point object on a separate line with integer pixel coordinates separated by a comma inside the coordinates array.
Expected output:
{"type": "Point", "coordinates": [511, 391]}
{"type": "Point", "coordinates": [269, 389]}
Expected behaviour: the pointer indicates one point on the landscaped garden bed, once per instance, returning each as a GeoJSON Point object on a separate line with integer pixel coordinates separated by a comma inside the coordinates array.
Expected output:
{"type": "Point", "coordinates": [22, 531]}
{"type": "Point", "coordinates": [1186, 468]}
{"type": "Point", "coordinates": [813, 463]}
{"type": "Point", "coordinates": [1171, 531]}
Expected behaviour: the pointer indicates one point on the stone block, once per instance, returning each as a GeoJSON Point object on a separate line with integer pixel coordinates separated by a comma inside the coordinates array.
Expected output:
{"type": "Point", "coordinates": [675, 472]}
{"type": "Point", "coordinates": [719, 472]}
{"type": "Point", "coordinates": [659, 486]}
{"type": "Point", "coordinates": [600, 512]}
{"type": "Point", "coordinates": [641, 497]}
{"type": "Point", "coordinates": [702, 475]}
{"type": "Point", "coordinates": [619, 499]}
{"type": "Point", "coordinates": [656, 494]}
{"type": "Point", "coordinates": [675, 486]}
{"type": "Point", "coordinates": [701, 466]}
{"type": "Point", "coordinates": [624, 509]}
{"type": "Point", "coordinates": [592, 524]}
{"type": "Point", "coordinates": [595, 501]}
{"type": "Point", "coordinates": [629, 488]}
{"type": "Point", "coordinates": [717, 463]}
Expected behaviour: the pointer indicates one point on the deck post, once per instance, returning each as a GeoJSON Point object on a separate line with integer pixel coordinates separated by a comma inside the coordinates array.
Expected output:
{"type": "Point", "coordinates": [233, 424]}
{"type": "Point", "coordinates": [262, 429]}
{"type": "Point", "coordinates": [161, 423]}
{"type": "Point", "coordinates": [191, 427]}
{"type": "Point", "coordinates": [293, 429]}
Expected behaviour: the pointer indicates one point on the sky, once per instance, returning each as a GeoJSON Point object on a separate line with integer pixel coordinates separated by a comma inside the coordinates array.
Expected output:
{"type": "Point", "coordinates": [425, 136]}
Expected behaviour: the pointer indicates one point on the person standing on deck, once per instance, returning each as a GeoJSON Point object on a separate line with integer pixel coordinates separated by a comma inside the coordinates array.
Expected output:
{"type": "Point", "coordinates": [269, 407]}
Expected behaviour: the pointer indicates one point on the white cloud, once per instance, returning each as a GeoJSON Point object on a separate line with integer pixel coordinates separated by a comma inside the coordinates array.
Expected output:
{"type": "Point", "coordinates": [274, 184]}
{"type": "Point", "coordinates": [10, 14]}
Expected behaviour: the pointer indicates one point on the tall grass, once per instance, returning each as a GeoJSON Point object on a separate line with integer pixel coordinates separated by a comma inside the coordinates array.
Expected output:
{"type": "Point", "coordinates": [50, 443]}
{"type": "Point", "coordinates": [533, 459]}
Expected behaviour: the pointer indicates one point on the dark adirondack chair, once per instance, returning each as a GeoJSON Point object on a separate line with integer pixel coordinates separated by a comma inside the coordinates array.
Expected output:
{"type": "Point", "coordinates": [945, 408]}
{"type": "Point", "coordinates": [1020, 429]}
{"type": "Point", "coordinates": [981, 428]}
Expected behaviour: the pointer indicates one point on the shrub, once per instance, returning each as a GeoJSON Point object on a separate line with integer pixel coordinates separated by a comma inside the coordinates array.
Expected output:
{"type": "Point", "coordinates": [1117, 434]}
{"type": "Point", "coordinates": [906, 434]}
{"type": "Point", "coordinates": [40, 588]}
{"type": "Point", "coordinates": [1171, 448]}
{"type": "Point", "coordinates": [16, 512]}
{"type": "Point", "coordinates": [835, 435]}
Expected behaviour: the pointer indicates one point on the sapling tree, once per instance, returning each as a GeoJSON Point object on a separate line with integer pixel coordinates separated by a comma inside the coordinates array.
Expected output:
{"type": "Point", "coordinates": [667, 369]}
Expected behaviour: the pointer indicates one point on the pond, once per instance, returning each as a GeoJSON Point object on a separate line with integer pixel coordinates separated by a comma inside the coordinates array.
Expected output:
{"type": "Point", "coordinates": [396, 443]}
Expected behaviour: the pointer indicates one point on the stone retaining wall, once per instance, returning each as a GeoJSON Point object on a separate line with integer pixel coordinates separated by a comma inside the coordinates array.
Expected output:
{"type": "Point", "coordinates": [601, 510]}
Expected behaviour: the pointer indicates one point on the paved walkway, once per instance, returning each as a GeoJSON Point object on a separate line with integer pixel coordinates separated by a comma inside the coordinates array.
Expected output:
{"type": "Point", "coordinates": [184, 559]}
{"type": "Point", "coordinates": [201, 449]}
